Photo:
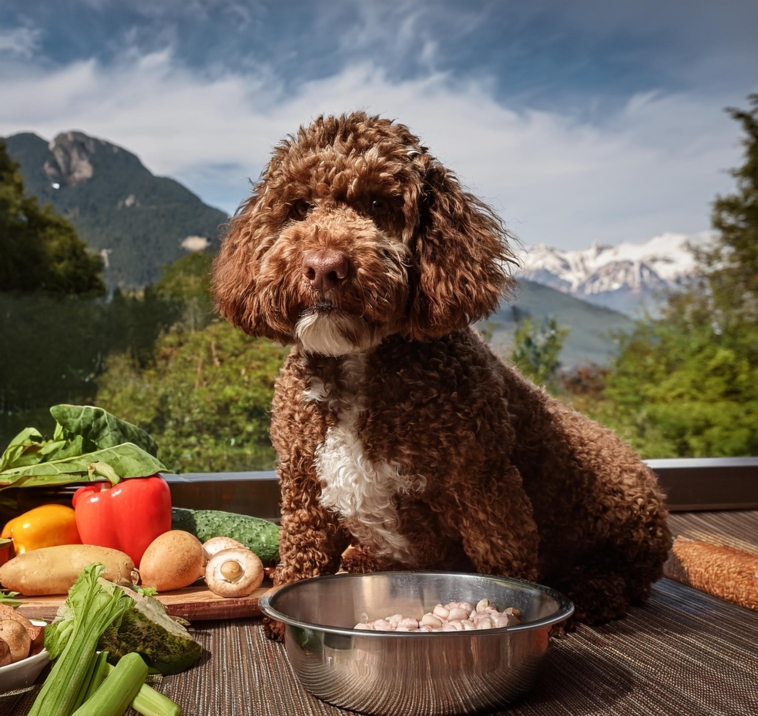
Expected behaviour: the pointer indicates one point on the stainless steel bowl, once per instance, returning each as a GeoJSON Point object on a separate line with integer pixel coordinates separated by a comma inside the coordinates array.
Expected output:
{"type": "Point", "coordinates": [400, 673]}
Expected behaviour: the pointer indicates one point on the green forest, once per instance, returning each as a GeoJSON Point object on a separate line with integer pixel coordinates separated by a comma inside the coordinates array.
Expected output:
{"type": "Point", "coordinates": [684, 384]}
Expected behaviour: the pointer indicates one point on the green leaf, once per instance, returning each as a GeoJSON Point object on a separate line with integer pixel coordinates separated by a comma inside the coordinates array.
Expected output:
{"type": "Point", "coordinates": [127, 460]}
{"type": "Point", "coordinates": [26, 442]}
{"type": "Point", "coordinates": [61, 449]}
{"type": "Point", "coordinates": [100, 427]}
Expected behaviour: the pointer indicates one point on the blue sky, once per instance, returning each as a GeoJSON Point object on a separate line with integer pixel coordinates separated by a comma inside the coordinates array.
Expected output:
{"type": "Point", "coordinates": [581, 121]}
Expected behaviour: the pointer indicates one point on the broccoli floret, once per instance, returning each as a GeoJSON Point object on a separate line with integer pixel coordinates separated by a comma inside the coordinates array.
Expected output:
{"type": "Point", "coordinates": [147, 629]}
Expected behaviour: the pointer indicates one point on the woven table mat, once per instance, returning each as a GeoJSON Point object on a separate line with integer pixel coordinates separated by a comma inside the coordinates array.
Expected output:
{"type": "Point", "coordinates": [684, 654]}
{"type": "Point", "coordinates": [737, 529]}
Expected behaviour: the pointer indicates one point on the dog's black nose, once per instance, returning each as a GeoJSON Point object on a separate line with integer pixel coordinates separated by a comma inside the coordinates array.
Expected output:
{"type": "Point", "coordinates": [325, 269]}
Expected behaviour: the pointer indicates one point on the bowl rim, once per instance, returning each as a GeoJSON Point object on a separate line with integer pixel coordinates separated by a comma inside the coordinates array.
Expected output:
{"type": "Point", "coordinates": [564, 611]}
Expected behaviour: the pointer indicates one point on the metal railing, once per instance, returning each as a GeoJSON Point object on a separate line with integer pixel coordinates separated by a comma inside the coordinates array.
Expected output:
{"type": "Point", "coordinates": [690, 485]}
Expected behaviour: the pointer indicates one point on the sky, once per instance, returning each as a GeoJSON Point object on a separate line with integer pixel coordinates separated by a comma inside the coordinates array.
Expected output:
{"type": "Point", "coordinates": [579, 122]}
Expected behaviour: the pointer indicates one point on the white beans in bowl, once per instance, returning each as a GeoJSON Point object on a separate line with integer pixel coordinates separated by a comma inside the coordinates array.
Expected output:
{"type": "Point", "coordinates": [454, 616]}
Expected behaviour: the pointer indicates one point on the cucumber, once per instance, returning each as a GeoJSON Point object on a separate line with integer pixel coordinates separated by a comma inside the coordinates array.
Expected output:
{"type": "Point", "coordinates": [258, 535]}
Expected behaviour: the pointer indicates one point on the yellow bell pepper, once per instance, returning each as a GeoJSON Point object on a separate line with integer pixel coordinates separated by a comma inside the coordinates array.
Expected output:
{"type": "Point", "coordinates": [45, 526]}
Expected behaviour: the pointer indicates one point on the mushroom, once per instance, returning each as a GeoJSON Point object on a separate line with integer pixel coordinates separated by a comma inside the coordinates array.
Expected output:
{"type": "Point", "coordinates": [15, 636]}
{"type": "Point", "coordinates": [216, 544]}
{"type": "Point", "coordinates": [5, 654]}
{"type": "Point", "coordinates": [234, 572]}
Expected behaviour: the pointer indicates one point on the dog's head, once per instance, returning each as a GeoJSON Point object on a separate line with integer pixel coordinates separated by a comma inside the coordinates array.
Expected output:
{"type": "Point", "coordinates": [353, 233]}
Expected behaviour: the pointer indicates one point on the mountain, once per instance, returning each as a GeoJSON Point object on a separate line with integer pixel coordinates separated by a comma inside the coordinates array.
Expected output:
{"type": "Point", "coordinates": [627, 277]}
{"type": "Point", "coordinates": [136, 221]}
{"type": "Point", "coordinates": [589, 339]}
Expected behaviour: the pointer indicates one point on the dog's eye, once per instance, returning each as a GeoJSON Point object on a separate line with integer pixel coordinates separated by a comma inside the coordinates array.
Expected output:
{"type": "Point", "coordinates": [300, 209]}
{"type": "Point", "coordinates": [379, 207]}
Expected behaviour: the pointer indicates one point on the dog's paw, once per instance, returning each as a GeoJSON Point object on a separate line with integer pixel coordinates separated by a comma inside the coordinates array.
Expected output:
{"type": "Point", "coordinates": [273, 630]}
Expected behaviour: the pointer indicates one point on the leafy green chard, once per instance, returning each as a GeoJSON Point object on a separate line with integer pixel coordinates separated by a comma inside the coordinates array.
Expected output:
{"type": "Point", "coordinates": [88, 444]}
{"type": "Point", "coordinates": [99, 427]}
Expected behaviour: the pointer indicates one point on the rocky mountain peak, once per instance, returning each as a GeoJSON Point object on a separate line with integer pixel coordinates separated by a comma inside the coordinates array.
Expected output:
{"type": "Point", "coordinates": [74, 158]}
{"type": "Point", "coordinates": [71, 161]}
{"type": "Point", "coordinates": [136, 221]}
{"type": "Point", "coordinates": [621, 277]}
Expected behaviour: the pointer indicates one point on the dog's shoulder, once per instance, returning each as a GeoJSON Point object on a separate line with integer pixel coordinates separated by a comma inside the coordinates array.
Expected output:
{"type": "Point", "coordinates": [446, 364]}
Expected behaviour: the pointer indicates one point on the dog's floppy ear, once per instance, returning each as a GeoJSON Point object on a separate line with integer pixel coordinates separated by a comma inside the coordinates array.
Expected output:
{"type": "Point", "coordinates": [235, 270]}
{"type": "Point", "coordinates": [461, 257]}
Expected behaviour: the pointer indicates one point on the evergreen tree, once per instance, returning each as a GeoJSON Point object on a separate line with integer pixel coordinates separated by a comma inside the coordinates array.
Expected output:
{"type": "Point", "coordinates": [39, 250]}
{"type": "Point", "coordinates": [687, 384]}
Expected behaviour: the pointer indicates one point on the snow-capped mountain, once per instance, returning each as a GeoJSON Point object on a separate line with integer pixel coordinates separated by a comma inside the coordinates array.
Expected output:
{"type": "Point", "coordinates": [623, 277]}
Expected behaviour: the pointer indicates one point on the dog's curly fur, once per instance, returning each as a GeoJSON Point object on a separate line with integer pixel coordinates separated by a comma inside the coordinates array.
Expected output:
{"type": "Point", "coordinates": [398, 432]}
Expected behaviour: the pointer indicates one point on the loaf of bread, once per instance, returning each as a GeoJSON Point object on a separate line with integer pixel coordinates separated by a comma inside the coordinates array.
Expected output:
{"type": "Point", "coordinates": [719, 570]}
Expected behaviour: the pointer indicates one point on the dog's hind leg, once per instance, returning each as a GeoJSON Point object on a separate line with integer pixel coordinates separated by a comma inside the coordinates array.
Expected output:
{"type": "Point", "coordinates": [602, 590]}
{"type": "Point", "coordinates": [598, 596]}
{"type": "Point", "coordinates": [494, 519]}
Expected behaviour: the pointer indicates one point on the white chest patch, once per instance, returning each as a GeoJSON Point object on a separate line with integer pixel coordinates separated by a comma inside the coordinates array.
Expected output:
{"type": "Point", "coordinates": [362, 491]}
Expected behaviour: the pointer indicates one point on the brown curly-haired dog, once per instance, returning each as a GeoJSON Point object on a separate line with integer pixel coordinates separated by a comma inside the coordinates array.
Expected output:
{"type": "Point", "coordinates": [398, 431]}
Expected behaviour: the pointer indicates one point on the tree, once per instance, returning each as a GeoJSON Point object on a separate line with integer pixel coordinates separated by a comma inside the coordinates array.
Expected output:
{"type": "Point", "coordinates": [687, 383]}
{"type": "Point", "coordinates": [206, 400]}
{"type": "Point", "coordinates": [731, 268]}
{"type": "Point", "coordinates": [205, 392]}
{"type": "Point", "coordinates": [186, 283]}
{"type": "Point", "coordinates": [536, 350]}
{"type": "Point", "coordinates": [39, 250]}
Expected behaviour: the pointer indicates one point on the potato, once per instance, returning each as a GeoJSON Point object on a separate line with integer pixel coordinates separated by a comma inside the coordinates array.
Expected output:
{"type": "Point", "coordinates": [173, 560]}
{"type": "Point", "coordinates": [53, 570]}
{"type": "Point", "coordinates": [15, 636]}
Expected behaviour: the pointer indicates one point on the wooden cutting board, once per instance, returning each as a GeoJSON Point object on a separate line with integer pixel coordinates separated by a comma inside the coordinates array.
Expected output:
{"type": "Point", "coordinates": [192, 603]}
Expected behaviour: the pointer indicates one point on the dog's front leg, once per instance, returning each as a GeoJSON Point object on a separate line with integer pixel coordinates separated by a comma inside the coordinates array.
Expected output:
{"type": "Point", "coordinates": [494, 519]}
{"type": "Point", "coordinates": [311, 541]}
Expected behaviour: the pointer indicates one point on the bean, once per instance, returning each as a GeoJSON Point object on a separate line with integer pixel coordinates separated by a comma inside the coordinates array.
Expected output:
{"type": "Point", "coordinates": [431, 620]}
{"type": "Point", "coordinates": [453, 616]}
{"type": "Point", "coordinates": [458, 613]}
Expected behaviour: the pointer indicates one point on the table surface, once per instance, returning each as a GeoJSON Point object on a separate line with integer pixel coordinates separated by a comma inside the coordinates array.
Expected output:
{"type": "Point", "coordinates": [685, 653]}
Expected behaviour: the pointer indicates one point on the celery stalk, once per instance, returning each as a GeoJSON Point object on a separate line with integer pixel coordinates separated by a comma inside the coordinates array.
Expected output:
{"type": "Point", "coordinates": [118, 690]}
{"type": "Point", "coordinates": [99, 673]}
{"type": "Point", "coordinates": [150, 702]}
{"type": "Point", "coordinates": [86, 684]}
{"type": "Point", "coordinates": [92, 610]}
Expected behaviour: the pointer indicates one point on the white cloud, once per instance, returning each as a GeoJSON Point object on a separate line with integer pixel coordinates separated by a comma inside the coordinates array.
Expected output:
{"type": "Point", "coordinates": [654, 166]}
{"type": "Point", "coordinates": [20, 42]}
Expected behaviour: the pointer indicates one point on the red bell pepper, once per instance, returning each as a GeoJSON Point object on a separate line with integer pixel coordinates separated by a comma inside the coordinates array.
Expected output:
{"type": "Point", "coordinates": [127, 516]}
